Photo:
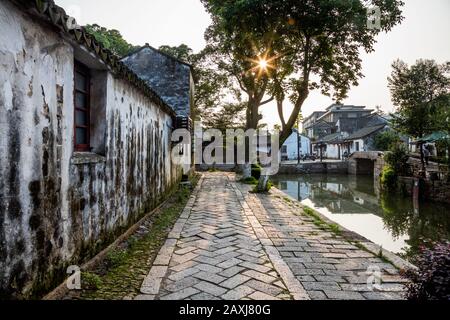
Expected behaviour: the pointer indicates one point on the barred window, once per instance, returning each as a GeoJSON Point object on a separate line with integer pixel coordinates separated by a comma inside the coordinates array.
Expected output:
{"type": "Point", "coordinates": [82, 108]}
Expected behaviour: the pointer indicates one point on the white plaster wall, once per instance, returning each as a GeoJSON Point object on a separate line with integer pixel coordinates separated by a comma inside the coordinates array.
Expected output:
{"type": "Point", "coordinates": [292, 147]}
{"type": "Point", "coordinates": [51, 210]}
{"type": "Point", "coordinates": [353, 146]}
{"type": "Point", "coordinates": [332, 151]}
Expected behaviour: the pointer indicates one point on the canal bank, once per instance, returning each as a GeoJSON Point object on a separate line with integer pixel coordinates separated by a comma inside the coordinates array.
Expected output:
{"type": "Point", "coordinates": [396, 223]}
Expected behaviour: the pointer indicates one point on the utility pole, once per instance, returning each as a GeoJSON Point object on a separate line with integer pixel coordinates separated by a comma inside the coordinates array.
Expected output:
{"type": "Point", "coordinates": [299, 140]}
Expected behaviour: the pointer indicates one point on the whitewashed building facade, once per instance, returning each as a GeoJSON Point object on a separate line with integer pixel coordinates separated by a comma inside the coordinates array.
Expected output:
{"type": "Point", "coordinates": [289, 150]}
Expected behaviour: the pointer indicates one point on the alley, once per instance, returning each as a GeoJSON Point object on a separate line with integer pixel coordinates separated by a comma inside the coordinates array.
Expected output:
{"type": "Point", "coordinates": [232, 244]}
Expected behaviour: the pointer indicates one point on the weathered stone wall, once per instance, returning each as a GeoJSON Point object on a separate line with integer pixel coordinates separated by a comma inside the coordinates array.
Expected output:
{"type": "Point", "coordinates": [314, 167]}
{"type": "Point", "coordinates": [58, 207]}
{"type": "Point", "coordinates": [429, 190]}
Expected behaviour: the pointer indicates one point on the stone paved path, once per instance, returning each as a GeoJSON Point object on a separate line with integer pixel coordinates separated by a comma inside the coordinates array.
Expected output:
{"type": "Point", "coordinates": [231, 244]}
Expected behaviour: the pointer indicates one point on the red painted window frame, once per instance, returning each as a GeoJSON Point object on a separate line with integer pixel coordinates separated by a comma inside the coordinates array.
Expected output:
{"type": "Point", "coordinates": [83, 71]}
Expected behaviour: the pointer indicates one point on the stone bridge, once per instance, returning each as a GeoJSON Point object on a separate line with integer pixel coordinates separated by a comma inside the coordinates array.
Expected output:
{"type": "Point", "coordinates": [367, 163]}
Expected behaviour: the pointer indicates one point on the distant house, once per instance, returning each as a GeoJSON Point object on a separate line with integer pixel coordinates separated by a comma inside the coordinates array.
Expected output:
{"type": "Point", "coordinates": [172, 80]}
{"type": "Point", "coordinates": [331, 145]}
{"type": "Point", "coordinates": [289, 150]}
{"type": "Point", "coordinates": [320, 129]}
{"type": "Point", "coordinates": [310, 121]}
{"type": "Point", "coordinates": [344, 129]}
{"type": "Point", "coordinates": [336, 118]}
{"type": "Point", "coordinates": [336, 112]}
{"type": "Point", "coordinates": [363, 139]}
{"type": "Point", "coordinates": [169, 77]}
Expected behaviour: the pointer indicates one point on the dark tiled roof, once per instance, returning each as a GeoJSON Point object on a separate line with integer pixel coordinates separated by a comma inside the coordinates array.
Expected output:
{"type": "Point", "coordinates": [322, 124]}
{"type": "Point", "coordinates": [49, 12]}
{"type": "Point", "coordinates": [160, 52]}
{"type": "Point", "coordinates": [364, 132]}
{"type": "Point", "coordinates": [334, 137]}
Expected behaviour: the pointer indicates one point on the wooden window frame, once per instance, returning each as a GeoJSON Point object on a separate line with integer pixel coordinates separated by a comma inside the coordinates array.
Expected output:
{"type": "Point", "coordinates": [84, 71]}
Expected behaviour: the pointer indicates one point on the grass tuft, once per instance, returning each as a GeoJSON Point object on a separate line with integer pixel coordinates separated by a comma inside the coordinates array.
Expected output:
{"type": "Point", "coordinates": [249, 180]}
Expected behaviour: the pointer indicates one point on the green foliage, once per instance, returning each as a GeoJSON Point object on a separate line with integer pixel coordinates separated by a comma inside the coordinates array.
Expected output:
{"type": "Point", "coordinates": [181, 52]}
{"type": "Point", "coordinates": [320, 223]}
{"type": "Point", "coordinates": [388, 179]}
{"type": "Point", "coordinates": [223, 116]}
{"type": "Point", "coordinates": [111, 39]}
{"type": "Point", "coordinates": [256, 171]}
{"type": "Point", "coordinates": [397, 158]}
{"type": "Point", "coordinates": [90, 281]}
{"type": "Point", "coordinates": [336, 229]}
{"type": "Point", "coordinates": [116, 257]}
{"type": "Point", "coordinates": [443, 122]}
{"type": "Point", "coordinates": [417, 92]}
{"type": "Point", "coordinates": [267, 187]}
{"type": "Point", "coordinates": [302, 41]}
{"type": "Point", "coordinates": [212, 87]}
{"type": "Point", "coordinates": [385, 140]}
{"type": "Point", "coordinates": [250, 180]}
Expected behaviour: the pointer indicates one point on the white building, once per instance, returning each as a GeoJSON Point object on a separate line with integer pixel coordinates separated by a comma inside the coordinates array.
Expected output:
{"type": "Point", "coordinates": [289, 150]}
{"type": "Point", "coordinates": [331, 145]}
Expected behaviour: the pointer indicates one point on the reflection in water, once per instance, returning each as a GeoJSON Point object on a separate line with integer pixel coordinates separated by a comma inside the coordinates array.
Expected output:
{"type": "Point", "coordinates": [351, 201]}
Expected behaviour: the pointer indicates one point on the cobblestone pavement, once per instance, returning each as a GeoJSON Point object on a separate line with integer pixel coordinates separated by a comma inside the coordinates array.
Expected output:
{"type": "Point", "coordinates": [231, 244]}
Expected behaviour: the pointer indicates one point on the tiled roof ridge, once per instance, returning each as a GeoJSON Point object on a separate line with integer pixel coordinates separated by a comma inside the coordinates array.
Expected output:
{"type": "Point", "coordinates": [159, 51]}
{"type": "Point", "coordinates": [54, 14]}
{"type": "Point", "coordinates": [367, 130]}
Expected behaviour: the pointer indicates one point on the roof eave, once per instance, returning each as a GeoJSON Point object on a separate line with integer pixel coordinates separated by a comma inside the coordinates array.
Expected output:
{"type": "Point", "coordinates": [48, 12]}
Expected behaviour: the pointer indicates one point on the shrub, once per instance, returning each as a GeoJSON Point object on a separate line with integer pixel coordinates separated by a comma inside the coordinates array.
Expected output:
{"type": "Point", "coordinates": [269, 186]}
{"type": "Point", "coordinates": [250, 180]}
{"type": "Point", "coordinates": [388, 179]}
{"type": "Point", "coordinates": [90, 281]}
{"type": "Point", "coordinates": [256, 171]}
{"type": "Point", "coordinates": [397, 158]}
{"type": "Point", "coordinates": [431, 281]}
{"type": "Point", "coordinates": [385, 140]}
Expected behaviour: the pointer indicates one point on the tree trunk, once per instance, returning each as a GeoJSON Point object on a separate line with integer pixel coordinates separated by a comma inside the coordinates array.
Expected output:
{"type": "Point", "coordinates": [286, 130]}
{"type": "Point", "coordinates": [263, 183]}
{"type": "Point", "coordinates": [246, 170]}
{"type": "Point", "coordinates": [251, 123]}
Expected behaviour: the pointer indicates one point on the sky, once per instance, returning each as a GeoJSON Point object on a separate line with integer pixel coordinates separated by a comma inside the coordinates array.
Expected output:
{"type": "Point", "coordinates": [423, 34]}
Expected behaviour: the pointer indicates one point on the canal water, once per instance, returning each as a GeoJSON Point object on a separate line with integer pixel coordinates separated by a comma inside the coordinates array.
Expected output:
{"type": "Point", "coordinates": [391, 221]}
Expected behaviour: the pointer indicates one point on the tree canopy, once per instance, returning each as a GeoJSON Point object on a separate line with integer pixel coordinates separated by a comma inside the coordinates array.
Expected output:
{"type": "Point", "coordinates": [419, 93]}
{"type": "Point", "coordinates": [111, 39]}
{"type": "Point", "coordinates": [306, 45]}
{"type": "Point", "coordinates": [216, 103]}
{"type": "Point", "coordinates": [385, 140]}
{"type": "Point", "coordinates": [181, 52]}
